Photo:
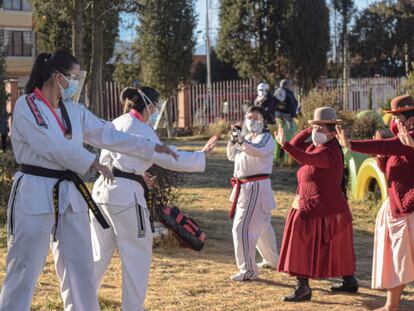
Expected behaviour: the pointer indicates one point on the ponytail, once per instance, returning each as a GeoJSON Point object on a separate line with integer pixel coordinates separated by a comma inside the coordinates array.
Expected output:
{"type": "Point", "coordinates": [45, 65]}
{"type": "Point", "coordinates": [37, 76]}
{"type": "Point", "coordinates": [132, 98]}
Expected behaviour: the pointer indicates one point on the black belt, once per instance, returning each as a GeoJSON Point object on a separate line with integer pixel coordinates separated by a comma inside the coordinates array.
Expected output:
{"type": "Point", "coordinates": [77, 181]}
{"type": "Point", "coordinates": [139, 179]}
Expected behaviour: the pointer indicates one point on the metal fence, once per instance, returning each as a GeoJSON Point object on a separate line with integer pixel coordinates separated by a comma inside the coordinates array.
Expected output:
{"type": "Point", "coordinates": [368, 93]}
{"type": "Point", "coordinates": [228, 100]}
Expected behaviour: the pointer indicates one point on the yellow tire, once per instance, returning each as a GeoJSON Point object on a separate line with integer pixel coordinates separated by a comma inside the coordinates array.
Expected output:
{"type": "Point", "coordinates": [369, 174]}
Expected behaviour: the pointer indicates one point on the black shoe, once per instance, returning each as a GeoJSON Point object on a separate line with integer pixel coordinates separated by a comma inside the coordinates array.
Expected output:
{"type": "Point", "coordinates": [348, 285]}
{"type": "Point", "coordinates": [302, 292]}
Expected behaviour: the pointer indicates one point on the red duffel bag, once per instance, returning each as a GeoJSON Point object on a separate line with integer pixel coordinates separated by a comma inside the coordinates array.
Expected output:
{"type": "Point", "coordinates": [185, 229]}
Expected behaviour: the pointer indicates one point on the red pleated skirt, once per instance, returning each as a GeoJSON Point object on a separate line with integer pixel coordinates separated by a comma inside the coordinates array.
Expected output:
{"type": "Point", "coordinates": [316, 248]}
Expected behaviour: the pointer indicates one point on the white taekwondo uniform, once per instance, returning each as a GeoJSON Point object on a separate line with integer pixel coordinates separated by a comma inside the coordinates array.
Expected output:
{"type": "Point", "coordinates": [252, 220]}
{"type": "Point", "coordinates": [123, 203]}
{"type": "Point", "coordinates": [38, 140]}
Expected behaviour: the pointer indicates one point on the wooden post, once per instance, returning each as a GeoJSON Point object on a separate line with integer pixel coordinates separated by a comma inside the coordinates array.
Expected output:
{"type": "Point", "coordinates": [183, 99]}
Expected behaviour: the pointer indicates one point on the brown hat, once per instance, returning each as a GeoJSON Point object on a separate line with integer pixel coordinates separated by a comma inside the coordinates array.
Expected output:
{"type": "Point", "coordinates": [401, 104]}
{"type": "Point", "coordinates": [324, 115]}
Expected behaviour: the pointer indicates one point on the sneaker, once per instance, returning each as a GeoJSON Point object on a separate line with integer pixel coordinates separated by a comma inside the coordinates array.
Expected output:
{"type": "Point", "coordinates": [265, 265]}
{"type": "Point", "coordinates": [240, 277]}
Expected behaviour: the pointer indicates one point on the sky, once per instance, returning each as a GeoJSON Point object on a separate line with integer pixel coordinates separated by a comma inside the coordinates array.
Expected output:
{"type": "Point", "coordinates": [128, 34]}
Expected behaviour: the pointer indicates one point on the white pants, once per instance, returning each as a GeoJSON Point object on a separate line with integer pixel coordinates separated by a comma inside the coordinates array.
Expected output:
{"type": "Point", "coordinates": [28, 243]}
{"type": "Point", "coordinates": [252, 229]}
{"type": "Point", "coordinates": [131, 234]}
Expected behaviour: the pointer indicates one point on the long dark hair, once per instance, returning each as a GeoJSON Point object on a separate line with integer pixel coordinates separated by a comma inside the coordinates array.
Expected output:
{"type": "Point", "coordinates": [46, 64]}
{"type": "Point", "coordinates": [132, 98]}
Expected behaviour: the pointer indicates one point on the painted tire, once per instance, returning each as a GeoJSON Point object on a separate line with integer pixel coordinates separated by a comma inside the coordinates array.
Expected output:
{"type": "Point", "coordinates": [367, 174]}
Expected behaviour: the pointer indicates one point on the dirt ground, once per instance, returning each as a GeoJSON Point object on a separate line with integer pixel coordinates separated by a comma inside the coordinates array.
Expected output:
{"type": "Point", "coordinates": [182, 279]}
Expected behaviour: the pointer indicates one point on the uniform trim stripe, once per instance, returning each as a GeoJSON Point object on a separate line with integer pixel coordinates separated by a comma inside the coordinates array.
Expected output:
{"type": "Point", "coordinates": [262, 143]}
{"type": "Point", "coordinates": [245, 231]}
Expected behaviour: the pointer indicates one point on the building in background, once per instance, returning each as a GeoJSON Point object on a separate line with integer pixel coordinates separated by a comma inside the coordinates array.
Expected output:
{"type": "Point", "coordinates": [17, 35]}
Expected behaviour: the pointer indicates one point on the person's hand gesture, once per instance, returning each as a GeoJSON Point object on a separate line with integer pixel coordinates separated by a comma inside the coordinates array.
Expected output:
{"type": "Point", "coordinates": [404, 136]}
{"type": "Point", "coordinates": [280, 135]}
{"type": "Point", "coordinates": [103, 170]}
{"type": "Point", "coordinates": [341, 136]}
{"type": "Point", "coordinates": [211, 143]}
{"type": "Point", "coordinates": [165, 149]}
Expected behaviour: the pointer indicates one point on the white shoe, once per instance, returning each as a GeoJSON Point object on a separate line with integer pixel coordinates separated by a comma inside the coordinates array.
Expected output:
{"type": "Point", "coordinates": [242, 277]}
{"type": "Point", "coordinates": [265, 265]}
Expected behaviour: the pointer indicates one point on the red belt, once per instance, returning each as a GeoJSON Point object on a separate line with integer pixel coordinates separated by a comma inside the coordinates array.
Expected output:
{"type": "Point", "coordinates": [238, 182]}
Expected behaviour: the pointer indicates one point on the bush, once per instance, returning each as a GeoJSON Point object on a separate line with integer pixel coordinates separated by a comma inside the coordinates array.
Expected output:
{"type": "Point", "coordinates": [8, 167]}
{"type": "Point", "coordinates": [320, 98]}
{"type": "Point", "coordinates": [366, 124]}
{"type": "Point", "coordinates": [409, 83]}
{"type": "Point", "coordinates": [164, 189]}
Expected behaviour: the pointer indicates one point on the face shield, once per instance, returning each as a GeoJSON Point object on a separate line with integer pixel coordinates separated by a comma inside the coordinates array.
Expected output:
{"type": "Point", "coordinates": [253, 123]}
{"type": "Point", "coordinates": [80, 77]}
{"type": "Point", "coordinates": [154, 110]}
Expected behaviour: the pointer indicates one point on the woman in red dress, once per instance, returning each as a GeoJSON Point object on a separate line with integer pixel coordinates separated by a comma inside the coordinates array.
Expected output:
{"type": "Point", "coordinates": [393, 260]}
{"type": "Point", "coordinates": [318, 238]}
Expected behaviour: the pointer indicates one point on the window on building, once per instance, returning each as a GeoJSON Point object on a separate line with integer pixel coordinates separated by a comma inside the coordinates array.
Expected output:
{"type": "Point", "coordinates": [16, 5]}
{"type": "Point", "coordinates": [18, 43]}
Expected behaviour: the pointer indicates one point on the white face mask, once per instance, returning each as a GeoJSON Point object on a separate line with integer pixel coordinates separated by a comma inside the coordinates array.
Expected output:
{"type": "Point", "coordinates": [319, 139]}
{"type": "Point", "coordinates": [254, 126]}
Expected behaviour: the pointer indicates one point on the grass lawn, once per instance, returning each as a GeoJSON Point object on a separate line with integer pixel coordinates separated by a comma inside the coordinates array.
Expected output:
{"type": "Point", "coordinates": [182, 279]}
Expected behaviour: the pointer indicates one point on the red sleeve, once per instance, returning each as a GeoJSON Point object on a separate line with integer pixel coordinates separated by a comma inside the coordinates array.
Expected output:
{"type": "Point", "coordinates": [299, 140]}
{"type": "Point", "coordinates": [388, 147]}
{"type": "Point", "coordinates": [382, 163]}
{"type": "Point", "coordinates": [318, 158]}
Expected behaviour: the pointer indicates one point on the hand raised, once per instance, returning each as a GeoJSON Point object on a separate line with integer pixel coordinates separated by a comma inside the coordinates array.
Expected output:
{"type": "Point", "coordinates": [341, 136]}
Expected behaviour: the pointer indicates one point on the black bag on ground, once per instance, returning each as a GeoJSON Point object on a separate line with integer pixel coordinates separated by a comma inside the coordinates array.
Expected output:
{"type": "Point", "coordinates": [185, 229]}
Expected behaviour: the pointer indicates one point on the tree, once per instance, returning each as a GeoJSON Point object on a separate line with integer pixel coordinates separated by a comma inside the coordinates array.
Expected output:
{"type": "Point", "coordinates": [61, 25]}
{"type": "Point", "coordinates": [381, 41]}
{"type": "Point", "coordinates": [126, 69]}
{"type": "Point", "coordinates": [374, 44]}
{"type": "Point", "coordinates": [220, 70]}
{"type": "Point", "coordinates": [250, 37]}
{"type": "Point", "coordinates": [166, 43]}
{"type": "Point", "coordinates": [306, 41]}
{"type": "Point", "coordinates": [346, 9]}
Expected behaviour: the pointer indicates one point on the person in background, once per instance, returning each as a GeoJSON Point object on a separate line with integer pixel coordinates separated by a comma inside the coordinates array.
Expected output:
{"type": "Point", "coordinates": [252, 195]}
{"type": "Point", "coordinates": [265, 100]}
{"type": "Point", "coordinates": [292, 105]}
{"type": "Point", "coordinates": [318, 235]}
{"type": "Point", "coordinates": [393, 261]}
{"type": "Point", "coordinates": [123, 201]}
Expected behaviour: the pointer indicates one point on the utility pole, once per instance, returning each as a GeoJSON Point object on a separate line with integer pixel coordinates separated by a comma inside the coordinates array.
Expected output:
{"type": "Point", "coordinates": [208, 54]}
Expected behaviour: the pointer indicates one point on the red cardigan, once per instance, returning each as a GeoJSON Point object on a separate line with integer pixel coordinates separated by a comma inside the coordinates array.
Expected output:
{"type": "Point", "coordinates": [319, 177]}
{"type": "Point", "coordinates": [398, 167]}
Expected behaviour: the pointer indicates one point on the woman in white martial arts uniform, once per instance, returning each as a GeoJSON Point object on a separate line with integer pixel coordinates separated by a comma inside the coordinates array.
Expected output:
{"type": "Point", "coordinates": [48, 134]}
{"type": "Point", "coordinates": [252, 196]}
{"type": "Point", "coordinates": [123, 201]}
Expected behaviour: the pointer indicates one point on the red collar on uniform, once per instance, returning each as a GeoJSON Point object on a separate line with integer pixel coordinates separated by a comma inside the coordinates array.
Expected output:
{"type": "Point", "coordinates": [135, 114]}
{"type": "Point", "coordinates": [39, 95]}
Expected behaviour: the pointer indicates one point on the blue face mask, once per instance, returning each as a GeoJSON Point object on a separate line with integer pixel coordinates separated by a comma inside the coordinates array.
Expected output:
{"type": "Point", "coordinates": [71, 90]}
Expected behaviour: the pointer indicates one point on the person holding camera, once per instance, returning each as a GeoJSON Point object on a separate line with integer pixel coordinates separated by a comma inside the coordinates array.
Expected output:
{"type": "Point", "coordinates": [252, 195]}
